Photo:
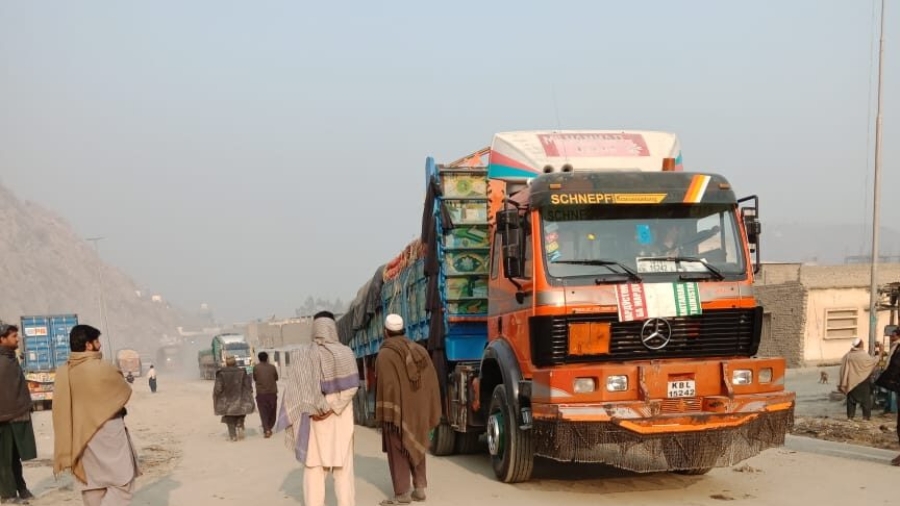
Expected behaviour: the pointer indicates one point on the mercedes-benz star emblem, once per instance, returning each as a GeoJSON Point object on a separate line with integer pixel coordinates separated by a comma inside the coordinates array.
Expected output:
{"type": "Point", "coordinates": [656, 333]}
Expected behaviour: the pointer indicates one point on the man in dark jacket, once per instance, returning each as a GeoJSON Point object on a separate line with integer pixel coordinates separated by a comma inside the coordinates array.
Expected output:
{"type": "Point", "coordinates": [266, 376]}
{"type": "Point", "coordinates": [16, 432]}
{"type": "Point", "coordinates": [233, 397]}
{"type": "Point", "coordinates": [890, 378]}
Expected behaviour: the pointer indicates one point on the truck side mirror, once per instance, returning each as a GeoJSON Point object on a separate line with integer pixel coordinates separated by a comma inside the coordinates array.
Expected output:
{"type": "Point", "coordinates": [754, 229]}
{"type": "Point", "coordinates": [508, 219]}
{"type": "Point", "coordinates": [508, 223]}
{"type": "Point", "coordinates": [750, 219]}
{"type": "Point", "coordinates": [512, 261]}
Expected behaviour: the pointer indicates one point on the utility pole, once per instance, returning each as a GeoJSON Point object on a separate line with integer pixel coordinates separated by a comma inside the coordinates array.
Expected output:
{"type": "Point", "coordinates": [873, 294]}
{"type": "Point", "coordinates": [101, 302]}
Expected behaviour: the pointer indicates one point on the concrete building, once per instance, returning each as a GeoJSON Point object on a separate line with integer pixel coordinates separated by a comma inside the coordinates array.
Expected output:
{"type": "Point", "coordinates": [813, 312]}
{"type": "Point", "coordinates": [273, 334]}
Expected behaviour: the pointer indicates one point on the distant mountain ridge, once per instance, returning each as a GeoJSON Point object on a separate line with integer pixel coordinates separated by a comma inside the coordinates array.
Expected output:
{"type": "Point", "coordinates": [45, 267]}
{"type": "Point", "coordinates": [824, 243]}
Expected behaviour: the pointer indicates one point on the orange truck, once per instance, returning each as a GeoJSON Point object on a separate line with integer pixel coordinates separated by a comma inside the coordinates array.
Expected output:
{"type": "Point", "coordinates": [129, 361]}
{"type": "Point", "coordinates": [586, 300]}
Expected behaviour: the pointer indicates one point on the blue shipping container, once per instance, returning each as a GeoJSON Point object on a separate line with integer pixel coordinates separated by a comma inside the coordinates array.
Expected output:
{"type": "Point", "coordinates": [45, 341]}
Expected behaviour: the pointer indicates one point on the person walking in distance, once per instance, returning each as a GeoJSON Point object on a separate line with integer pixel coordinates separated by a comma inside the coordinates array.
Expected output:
{"type": "Point", "coordinates": [151, 378]}
{"type": "Point", "coordinates": [233, 397]}
{"type": "Point", "coordinates": [855, 382]}
{"type": "Point", "coordinates": [265, 375]}
{"type": "Point", "coordinates": [90, 436]}
{"type": "Point", "coordinates": [317, 414]}
{"type": "Point", "coordinates": [407, 407]}
{"type": "Point", "coordinates": [16, 431]}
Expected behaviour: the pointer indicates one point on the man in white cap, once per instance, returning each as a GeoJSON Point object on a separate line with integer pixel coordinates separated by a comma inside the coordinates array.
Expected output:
{"type": "Point", "coordinates": [407, 407]}
{"type": "Point", "coordinates": [856, 369]}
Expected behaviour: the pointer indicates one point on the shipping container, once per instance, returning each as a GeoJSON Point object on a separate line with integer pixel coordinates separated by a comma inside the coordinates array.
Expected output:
{"type": "Point", "coordinates": [45, 346]}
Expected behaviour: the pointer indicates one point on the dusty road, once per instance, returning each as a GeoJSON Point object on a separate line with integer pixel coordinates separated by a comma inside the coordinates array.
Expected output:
{"type": "Point", "coordinates": [188, 461]}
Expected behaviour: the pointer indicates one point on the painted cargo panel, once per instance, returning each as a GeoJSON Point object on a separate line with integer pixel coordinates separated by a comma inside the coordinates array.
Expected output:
{"type": "Point", "coordinates": [519, 156]}
{"type": "Point", "coordinates": [45, 343]}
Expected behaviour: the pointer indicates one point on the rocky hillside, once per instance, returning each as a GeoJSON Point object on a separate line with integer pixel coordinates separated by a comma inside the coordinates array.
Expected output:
{"type": "Point", "coordinates": [45, 267]}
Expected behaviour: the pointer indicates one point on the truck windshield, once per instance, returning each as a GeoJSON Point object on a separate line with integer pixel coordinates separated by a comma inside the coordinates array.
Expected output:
{"type": "Point", "coordinates": [241, 347]}
{"type": "Point", "coordinates": [659, 242]}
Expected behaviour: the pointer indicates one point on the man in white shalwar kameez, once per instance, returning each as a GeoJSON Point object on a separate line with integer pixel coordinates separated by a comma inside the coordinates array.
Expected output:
{"type": "Point", "coordinates": [317, 412]}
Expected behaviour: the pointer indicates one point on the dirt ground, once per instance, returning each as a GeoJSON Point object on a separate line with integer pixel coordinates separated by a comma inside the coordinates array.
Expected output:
{"type": "Point", "coordinates": [186, 460]}
{"type": "Point", "coordinates": [821, 413]}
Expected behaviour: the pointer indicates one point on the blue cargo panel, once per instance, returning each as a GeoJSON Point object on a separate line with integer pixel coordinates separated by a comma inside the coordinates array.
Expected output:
{"type": "Point", "coordinates": [60, 326]}
{"type": "Point", "coordinates": [45, 343]}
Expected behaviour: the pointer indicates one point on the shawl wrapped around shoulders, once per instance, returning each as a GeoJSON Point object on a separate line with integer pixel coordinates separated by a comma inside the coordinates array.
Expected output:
{"type": "Point", "coordinates": [407, 395]}
{"type": "Point", "coordinates": [86, 394]}
{"type": "Point", "coordinates": [323, 367]}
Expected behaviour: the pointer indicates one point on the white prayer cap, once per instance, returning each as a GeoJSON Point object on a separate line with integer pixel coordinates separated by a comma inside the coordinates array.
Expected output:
{"type": "Point", "coordinates": [393, 322]}
{"type": "Point", "coordinates": [857, 342]}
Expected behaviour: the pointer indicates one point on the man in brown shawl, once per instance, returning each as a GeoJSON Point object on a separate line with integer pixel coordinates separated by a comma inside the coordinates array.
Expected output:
{"type": "Point", "coordinates": [16, 432]}
{"type": "Point", "coordinates": [233, 397]}
{"type": "Point", "coordinates": [90, 436]}
{"type": "Point", "coordinates": [856, 369]}
{"type": "Point", "coordinates": [407, 407]}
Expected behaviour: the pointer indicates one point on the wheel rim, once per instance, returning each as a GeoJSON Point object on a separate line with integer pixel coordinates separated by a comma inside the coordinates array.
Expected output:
{"type": "Point", "coordinates": [495, 434]}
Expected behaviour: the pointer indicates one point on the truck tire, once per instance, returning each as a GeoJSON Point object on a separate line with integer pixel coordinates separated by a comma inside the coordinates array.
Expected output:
{"type": "Point", "coordinates": [443, 440]}
{"type": "Point", "coordinates": [467, 442]}
{"type": "Point", "coordinates": [511, 448]}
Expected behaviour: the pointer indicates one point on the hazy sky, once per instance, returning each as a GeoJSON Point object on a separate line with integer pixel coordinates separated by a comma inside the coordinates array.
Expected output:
{"type": "Point", "coordinates": [248, 154]}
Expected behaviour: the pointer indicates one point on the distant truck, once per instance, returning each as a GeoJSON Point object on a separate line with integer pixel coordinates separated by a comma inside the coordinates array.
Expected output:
{"type": "Point", "coordinates": [168, 357]}
{"type": "Point", "coordinates": [224, 345]}
{"type": "Point", "coordinates": [129, 361]}
{"type": "Point", "coordinates": [45, 346]}
{"type": "Point", "coordinates": [207, 364]}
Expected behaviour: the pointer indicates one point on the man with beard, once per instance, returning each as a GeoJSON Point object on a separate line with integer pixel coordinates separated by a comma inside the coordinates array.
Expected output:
{"type": "Point", "coordinates": [16, 432]}
{"type": "Point", "coordinates": [90, 436]}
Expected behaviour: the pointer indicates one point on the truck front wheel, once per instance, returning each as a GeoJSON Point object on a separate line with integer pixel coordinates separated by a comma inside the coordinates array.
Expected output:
{"type": "Point", "coordinates": [511, 448]}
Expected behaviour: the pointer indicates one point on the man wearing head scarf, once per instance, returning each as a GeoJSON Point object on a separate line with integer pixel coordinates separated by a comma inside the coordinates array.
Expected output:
{"type": "Point", "coordinates": [407, 406]}
{"type": "Point", "coordinates": [317, 414]}
{"type": "Point", "coordinates": [16, 431]}
{"type": "Point", "coordinates": [90, 436]}
{"type": "Point", "coordinates": [890, 378]}
{"type": "Point", "coordinates": [856, 369]}
{"type": "Point", "coordinates": [233, 397]}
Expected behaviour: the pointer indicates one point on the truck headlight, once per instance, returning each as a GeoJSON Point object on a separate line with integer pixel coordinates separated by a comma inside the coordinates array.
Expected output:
{"type": "Point", "coordinates": [742, 377]}
{"type": "Point", "coordinates": [765, 375]}
{"type": "Point", "coordinates": [616, 383]}
{"type": "Point", "coordinates": [584, 385]}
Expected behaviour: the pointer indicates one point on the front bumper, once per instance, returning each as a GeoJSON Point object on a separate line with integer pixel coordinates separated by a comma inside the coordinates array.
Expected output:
{"type": "Point", "coordinates": [618, 436]}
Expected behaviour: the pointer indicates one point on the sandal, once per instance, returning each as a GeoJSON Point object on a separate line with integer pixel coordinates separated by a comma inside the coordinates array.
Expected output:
{"type": "Point", "coordinates": [396, 500]}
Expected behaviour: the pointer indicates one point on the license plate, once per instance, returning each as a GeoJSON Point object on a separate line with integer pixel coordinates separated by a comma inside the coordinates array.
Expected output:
{"type": "Point", "coordinates": [683, 388]}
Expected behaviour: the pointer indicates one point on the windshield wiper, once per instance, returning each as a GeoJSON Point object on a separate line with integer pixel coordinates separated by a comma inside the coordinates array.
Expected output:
{"type": "Point", "coordinates": [634, 276]}
{"type": "Point", "coordinates": [712, 269]}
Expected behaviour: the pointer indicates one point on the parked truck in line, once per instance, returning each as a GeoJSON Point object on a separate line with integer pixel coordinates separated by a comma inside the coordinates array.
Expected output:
{"type": "Point", "coordinates": [45, 346]}
{"type": "Point", "coordinates": [586, 300]}
{"type": "Point", "coordinates": [221, 347]}
{"type": "Point", "coordinates": [129, 361]}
